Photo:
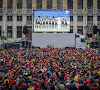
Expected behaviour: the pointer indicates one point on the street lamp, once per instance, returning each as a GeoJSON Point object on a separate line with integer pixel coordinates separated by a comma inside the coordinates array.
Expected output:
{"type": "Point", "coordinates": [86, 28]}
{"type": "Point", "coordinates": [94, 32]}
{"type": "Point", "coordinates": [25, 31]}
{"type": "Point", "coordinates": [3, 35]}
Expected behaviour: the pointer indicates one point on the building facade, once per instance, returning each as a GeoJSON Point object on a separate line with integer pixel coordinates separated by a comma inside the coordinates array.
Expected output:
{"type": "Point", "coordinates": [14, 14]}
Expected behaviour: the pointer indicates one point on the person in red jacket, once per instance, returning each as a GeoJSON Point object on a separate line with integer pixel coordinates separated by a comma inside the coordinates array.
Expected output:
{"type": "Point", "coordinates": [74, 72]}
{"type": "Point", "coordinates": [95, 86]}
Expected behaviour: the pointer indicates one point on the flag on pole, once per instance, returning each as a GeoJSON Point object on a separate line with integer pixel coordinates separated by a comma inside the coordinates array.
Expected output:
{"type": "Point", "coordinates": [88, 47]}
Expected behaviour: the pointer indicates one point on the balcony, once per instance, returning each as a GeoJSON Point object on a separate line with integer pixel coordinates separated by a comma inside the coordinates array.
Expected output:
{"type": "Point", "coordinates": [71, 11]}
{"type": "Point", "coordinates": [80, 11]}
{"type": "Point", "coordinates": [89, 31]}
{"type": "Point", "coordinates": [90, 24]}
{"type": "Point", "coordinates": [29, 11]}
{"type": "Point", "coordinates": [90, 11]}
{"type": "Point", "coordinates": [19, 11]}
{"type": "Point", "coordinates": [9, 11]}
{"type": "Point", "coordinates": [9, 23]}
{"type": "Point", "coordinates": [99, 11]}
{"type": "Point", "coordinates": [19, 23]}
{"type": "Point", "coordinates": [98, 24]}
{"type": "Point", "coordinates": [29, 22]}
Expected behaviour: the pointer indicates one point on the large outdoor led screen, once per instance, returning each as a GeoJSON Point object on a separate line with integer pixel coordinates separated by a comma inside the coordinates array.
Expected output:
{"type": "Point", "coordinates": [51, 21]}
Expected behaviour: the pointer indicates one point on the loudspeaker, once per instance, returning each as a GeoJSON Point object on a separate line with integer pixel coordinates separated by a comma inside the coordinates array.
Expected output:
{"type": "Point", "coordinates": [94, 45]}
{"type": "Point", "coordinates": [26, 44]}
{"type": "Point", "coordinates": [33, 47]}
{"type": "Point", "coordinates": [91, 44]}
{"type": "Point", "coordinates": [10, 45]}
{"type": "Point", "coordinates": [99, 31]}
{"type": "Point", "coordinates": [23, 43]}
{"type": "Point", "coordinates": [98, 44]}
{"type": "Point", "coordinates": [25, 30]}
{"type": "Point", "coordinates": [29, 44]}
{"type": "Point", "coordinates": [94, 29]}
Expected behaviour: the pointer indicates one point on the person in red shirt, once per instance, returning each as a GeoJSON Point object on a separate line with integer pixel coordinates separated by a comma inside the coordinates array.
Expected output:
{"type": "Point", "coordinates": [74, 72]}
{"type": "Point", "coordinates": [12, 80]}
{"type": "Point", "coordinates": [94, 86]}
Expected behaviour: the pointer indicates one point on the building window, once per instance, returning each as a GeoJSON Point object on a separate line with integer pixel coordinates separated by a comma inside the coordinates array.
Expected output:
{"type": "Point", "coordinates": [0, 18]}
{"type": "Point", "coordinates": [0, 31]}
{"type": "Point", "coordinates": [79, 18]}
{"type": "Point", "coordinates": [80, 29]}
{"type": "Point", "coordinates": [49, 4]}
{"type": "Point", "coordinates": [9, 18]}
{"type": "Point", "coordinates": [19, 4]}
{"type": "Point", "coordinates": [71, 18]}
{"type": "Point", "coordinates": [19, 31]}
{"type": "Point", "coordinates": [90, 18]}
{"type": "Point", "coordinates": [9, 31]}
{"type": "Point", "coordinates": [1, 3]}
{"type": "Point", "coordinates": [9, 4]}
{"type": "Point", "coordinates": [39, 4]}
{"type": "Point", "coordinates": [98, 4]}
{"type": "Point", "coordinates": [98, 18]}
{"type": "Point", "coordinates": [59, 4]}
{"type": "Point", "coordinates": [79, 4]}
{"type": "Point", "coordinates": [29, 4]}
{"type": "Point", "coordinates": [29, 18]}
{"type": "Point", "coordinates": [70, 4]}
{"type": "Point", "coordinates": [19, 18]}
{"type": "Point", "coordinates": [89, 4]}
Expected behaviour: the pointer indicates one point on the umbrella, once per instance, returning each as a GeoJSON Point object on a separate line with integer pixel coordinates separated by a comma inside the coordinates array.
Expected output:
{"type": "Point", "coordinates": [49, 73]}
{"type": "Point", "coordinates": [87, 66]}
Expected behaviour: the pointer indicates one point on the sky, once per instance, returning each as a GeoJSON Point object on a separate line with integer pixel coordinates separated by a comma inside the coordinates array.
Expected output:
{"type": "Point", "coordinates": [51, 13]}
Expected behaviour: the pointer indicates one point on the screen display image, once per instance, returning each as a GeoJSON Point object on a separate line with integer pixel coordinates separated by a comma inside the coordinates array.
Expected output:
{"type": "Point", "coordinates": [51, 21]}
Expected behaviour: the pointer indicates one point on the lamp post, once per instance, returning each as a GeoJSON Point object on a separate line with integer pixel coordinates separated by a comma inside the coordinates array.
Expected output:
{"type": "Point", "coordinates": [94, 32]}
{"type": "Point", "coordinates": [3, 35]}
{"type": "Point", "coordinates": [86, 28]}
{"type": "Point", "coordinates": [25, 31]}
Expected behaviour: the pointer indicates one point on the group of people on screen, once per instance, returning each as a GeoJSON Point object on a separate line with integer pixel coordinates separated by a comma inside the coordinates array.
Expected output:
{"type": "Point", "coordinates": [51, 22]}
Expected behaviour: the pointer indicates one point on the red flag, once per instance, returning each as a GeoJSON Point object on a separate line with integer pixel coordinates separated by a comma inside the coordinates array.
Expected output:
{"type": "Point", "coordinates": [88, 47]}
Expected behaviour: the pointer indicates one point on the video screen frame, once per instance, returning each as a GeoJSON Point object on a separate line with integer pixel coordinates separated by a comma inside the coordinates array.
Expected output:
{"type": "Point", "coordinates": [42, 22]}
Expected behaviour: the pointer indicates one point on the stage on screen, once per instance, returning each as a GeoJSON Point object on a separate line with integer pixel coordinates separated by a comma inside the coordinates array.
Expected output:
{"type": "Point", "coordinates": [51, 21]}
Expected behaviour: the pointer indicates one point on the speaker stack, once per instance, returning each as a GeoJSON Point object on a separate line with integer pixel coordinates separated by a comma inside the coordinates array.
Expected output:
{"type": "Point", "coordinates": [25, 30]}
{"type": "Point", "coordinates": [26, 44]}
{"type": "Point", "coordinates": [94, 44]}
{"type": "Point", "coordinates": [10, 45]}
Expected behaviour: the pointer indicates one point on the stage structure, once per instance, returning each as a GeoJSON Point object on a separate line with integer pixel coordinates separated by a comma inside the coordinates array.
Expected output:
{"type": "Point", "coordinates": [57, 22]}
{"type": "Point", "coordinates": [58, 40]}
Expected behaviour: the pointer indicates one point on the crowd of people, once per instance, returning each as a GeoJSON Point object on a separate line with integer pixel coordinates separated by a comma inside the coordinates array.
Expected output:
{"type": "Point", "coordinates": [49, 69]}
